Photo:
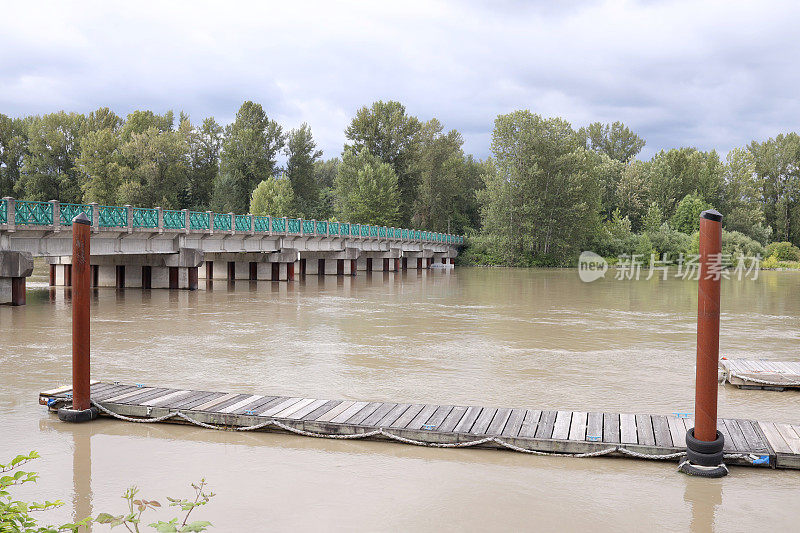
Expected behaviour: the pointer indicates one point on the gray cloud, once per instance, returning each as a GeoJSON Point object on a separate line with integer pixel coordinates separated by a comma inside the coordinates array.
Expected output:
{"type": "Point", "coordinates": [709, 74]}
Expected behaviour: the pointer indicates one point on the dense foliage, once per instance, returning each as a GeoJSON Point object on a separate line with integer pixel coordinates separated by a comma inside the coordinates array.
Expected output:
{"type": "Point", "coordinates": [547, 192]}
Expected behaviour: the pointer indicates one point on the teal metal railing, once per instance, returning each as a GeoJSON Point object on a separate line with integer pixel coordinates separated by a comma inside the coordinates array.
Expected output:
{"type": "Point", "coordinates": [112, 217]}
{"type": "Point", "coordinates": [242, 223]}
{"type": "Point", "coordinates": [260, 223]}
{"type": "Point", "coordinates": [222, 222]}
{"type": "Point", "coordinates": [27, 212]}
{"type": "Point", "coordinates": [199, 220]}
{"type": "Point", "coordinates": [33, 213]}
{"type": "Point", "coordinates": [174, 219]}
{"type": "Point", "coordinates": [69, 211]}
{"type": "Point", "coordinates": [145, 218]}
{"type": "Point", "coordinates": [279, 224]}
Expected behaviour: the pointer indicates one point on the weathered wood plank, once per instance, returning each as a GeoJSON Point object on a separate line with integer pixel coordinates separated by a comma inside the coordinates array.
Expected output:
{"type": "Point", "coordinates": [453, 418]}
{"type": "Point", "coordinates": [561, 425]}
{"type": "Point", "coordinates": [334, 412]}
{"type": "Point", "coordinates": [514, 423]}
{"type": "Point", "coordinates": [392, 416]}
{"type": "Point", "coordinates": [130, 393]}
{"type": "Point", "coordinates": [594, 427]}
{"type": "Point", "coordinates": [611, 428]}
{"type": "Point", "coordinates": [435, 421]}
{"type": "Point", "coordinates": [792, 439]}
{"type": "Point", "coordinates": [407, 416]}
{"type": "Point", "coordinates": [300, 413]}
{"type": "Point", "coordinates": [138, 399]}
{"type": "Point", "coordinates": [661, 431]}
{"type": "Point", "coordinates": [347, 413]}
{"type": "Point", "coordinates": [294, 408]}
{"type": "Point", "coordinates": [644, 429]}
{"type": "Point", "coordinates": [162, 399]}
{"type": "Point", "coordinates": [279, 406]}
{"type": "Point", "coordinates": [359, 417]}
{"type": "Point", "coordinates": [775, 439]}
{"type": "Point", "coordinates": [728, 444]}
{"type": "Point", "coordinates": [241, 403]}
{"type": "Point", "coordinates": [483, 421]}
{"type": "Point", "coordinates": [739, 442]}
{"type": "Point", "coordinates": [195, 395]}
{"type": "Point", "coordinates": [577, 430]}
{"type": "Point", "coordinates": [418, 421]}
{"type": "Point", "coordinates": [321, 410]}
{"type": "Point", "coordinates": [752, 437]}
{"type": "Point", "coordinates": [498, 423]}
{"type": "Point", "coordinates": [544, 430]}
{"type": "Point", "coordinates": [677, 431]}
{"type": "Point", "coordinates": [254, 406]}
{"type": "Point", "coordinates": [530, 424]}
{"type": "Point", "coordinates": [378, 414]}
{"type": "Point", "coordinates": [469, 418]}
{"type": "Point", "coordinates": [214, 401]}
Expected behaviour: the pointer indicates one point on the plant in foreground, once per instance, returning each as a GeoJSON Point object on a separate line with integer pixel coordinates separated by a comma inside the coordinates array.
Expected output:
{"type": "Point", "coordinates": [16, 516]}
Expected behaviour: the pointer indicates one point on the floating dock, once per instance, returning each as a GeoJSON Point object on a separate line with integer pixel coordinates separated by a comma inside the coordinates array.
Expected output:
{"type": "Point", "coordinates": [761, 374]}
{"type": "Point", "coordinates": [542, 432]}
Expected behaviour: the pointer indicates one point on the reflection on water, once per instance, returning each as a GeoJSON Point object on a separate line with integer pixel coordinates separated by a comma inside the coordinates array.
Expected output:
{"type": "Point", "coordinates": [527, 338]}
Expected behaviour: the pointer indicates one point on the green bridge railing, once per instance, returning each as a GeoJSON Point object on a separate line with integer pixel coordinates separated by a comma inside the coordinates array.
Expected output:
{"type": "Point", "coordinates": [32, 213]}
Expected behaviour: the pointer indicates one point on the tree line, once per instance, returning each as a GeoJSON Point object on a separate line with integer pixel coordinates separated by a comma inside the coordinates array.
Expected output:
{"type": "Point", "coordinates": [395, 169]}
{"type": "Point", "coordinates": [546, 192]}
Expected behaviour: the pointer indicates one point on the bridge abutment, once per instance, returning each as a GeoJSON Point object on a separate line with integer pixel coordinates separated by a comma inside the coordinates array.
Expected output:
{"type": "Point", "coordinates": [15, 267]}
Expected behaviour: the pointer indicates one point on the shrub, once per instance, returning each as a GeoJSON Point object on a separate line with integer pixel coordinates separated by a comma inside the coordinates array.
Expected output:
{"type": "Point", "coordinates": [738, 244]}
{"type": "Point", "coordinates": [784, 251]}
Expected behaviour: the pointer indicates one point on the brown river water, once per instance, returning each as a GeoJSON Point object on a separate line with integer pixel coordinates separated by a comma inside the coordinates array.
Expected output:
{"type": "Point", "coordinates": [515, 338]}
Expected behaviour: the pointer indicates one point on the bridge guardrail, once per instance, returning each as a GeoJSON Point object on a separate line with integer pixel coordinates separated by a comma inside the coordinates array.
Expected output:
{"type": "Point", "coordinates": [36, 213]}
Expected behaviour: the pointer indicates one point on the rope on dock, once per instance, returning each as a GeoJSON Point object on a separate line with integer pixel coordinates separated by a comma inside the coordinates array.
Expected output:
{"type": "Point", "coordinates": [382, 432]}
{"type": "Point", "coordinates": [763, 381]}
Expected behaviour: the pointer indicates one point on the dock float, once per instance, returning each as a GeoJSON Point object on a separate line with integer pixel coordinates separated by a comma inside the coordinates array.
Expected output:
{"type": "Point", "coordinates": [761, 374]}
{"type": "Point", "coordinates": [533, 431]}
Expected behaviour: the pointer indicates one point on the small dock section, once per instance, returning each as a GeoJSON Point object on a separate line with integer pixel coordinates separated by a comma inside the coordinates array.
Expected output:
{"type": "Point", "coordinates": [749, 442]}
{"type": "Point", "coordinates": [761, 374]}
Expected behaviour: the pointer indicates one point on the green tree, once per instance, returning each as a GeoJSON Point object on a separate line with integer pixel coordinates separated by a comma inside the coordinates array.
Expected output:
{"type": "Point", "coordinates": [615, 140]}
{"type": "Point", "coordinates": [273, 197]}
{"type": "Point", "coordinates": [633, 191]}
{"type": "Point", "coordinates": [366, 190]}
{"type": "Point", "coordinates": [393, 136]}
{"type": "Point", "coordinates": [678, 172]}
{"type": "Point", "coordinates": [325, 176]}
{"type": "Point", "coordinates": [653, 219]}
{"type": "Point", "coordinates": [140, 121]}
{"type": "Point", "coordinates": [249, 155]}
{"type": "Point", "coordinates": [742, 202]}
{"type": "Point", "coordinates": [687, 215]}
{"type": "Point", "coordinates": [48, 168]}
{"type": "Point", "coordinates": [301, 156]}
{"type": "Point", "coordinates": [204, 144]}
{"type": "Point", "coordinates": [13, 147]}
{"type": "Point", "coordinates": [777, 165]}
{"type": "Point", "coordinates": [99, 162]}
{"type": "Point", "coordinates": [446, 195]}
{"type": "Point", "coordinates": [545, 181]}
{"type": "Point", "coordinates": [155, 170]}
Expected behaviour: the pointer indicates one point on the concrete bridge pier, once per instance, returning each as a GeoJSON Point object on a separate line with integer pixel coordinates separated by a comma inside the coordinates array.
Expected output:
{"type": "Point", "coordinates": [146, 271]}
{"type": "Point", "coordinates": [14, 268]}
{"type": "Point", "coordinates": [252, 266]}
{"type": "Point", "coordinates": [328, 263]}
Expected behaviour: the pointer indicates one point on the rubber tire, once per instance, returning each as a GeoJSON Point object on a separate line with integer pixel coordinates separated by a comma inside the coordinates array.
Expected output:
{"type": "Point", "coordinates": [702, 446]}
{"type": "Point", "coordinates": [704, 459]}
{"type": "Point", "coordinates": [687, 468]}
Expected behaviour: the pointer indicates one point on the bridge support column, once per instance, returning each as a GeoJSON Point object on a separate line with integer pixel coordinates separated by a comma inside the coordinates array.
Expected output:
{"type": "Point", "coordinates": [14, 268]}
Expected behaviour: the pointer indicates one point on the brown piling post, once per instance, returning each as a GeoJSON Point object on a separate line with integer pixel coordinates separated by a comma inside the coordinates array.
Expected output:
{"type": "Point", "coordinates": [704, 443]}
{"type": "Point", "coordinates": [81, 409]}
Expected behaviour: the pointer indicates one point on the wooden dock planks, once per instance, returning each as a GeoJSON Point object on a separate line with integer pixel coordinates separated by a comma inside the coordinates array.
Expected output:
{"type": "Point", "coordinates": [761, 374]}
{"type": "Point", "coordinates": [560, 431]}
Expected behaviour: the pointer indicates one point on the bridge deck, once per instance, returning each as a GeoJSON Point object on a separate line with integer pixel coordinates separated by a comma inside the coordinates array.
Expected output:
{"type": "Point", "coordinates": [531, 429]}
{"type": "Point", "coordinates": [761, 374]}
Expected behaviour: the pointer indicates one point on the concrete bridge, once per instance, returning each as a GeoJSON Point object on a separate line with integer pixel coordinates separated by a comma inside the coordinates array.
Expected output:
{"type": "Point", "coordinates": [160, 248]}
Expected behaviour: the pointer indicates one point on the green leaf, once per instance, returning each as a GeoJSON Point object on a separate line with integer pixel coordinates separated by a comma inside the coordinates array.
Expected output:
{"type": "Point", "coordinates": [199, 525]}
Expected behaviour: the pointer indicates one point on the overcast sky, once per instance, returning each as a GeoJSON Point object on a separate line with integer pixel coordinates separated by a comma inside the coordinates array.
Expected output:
{"type": "Point", "coordinates": [680, 73]}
